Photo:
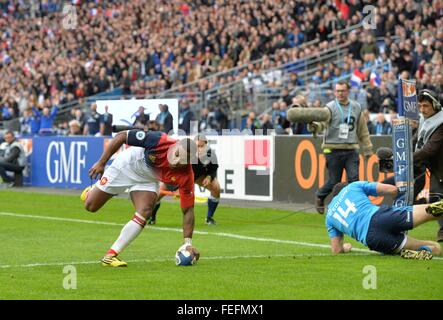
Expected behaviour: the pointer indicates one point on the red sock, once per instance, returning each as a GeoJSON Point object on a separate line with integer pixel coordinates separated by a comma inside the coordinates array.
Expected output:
{"type": "Point", "coordinates": [112, 252]}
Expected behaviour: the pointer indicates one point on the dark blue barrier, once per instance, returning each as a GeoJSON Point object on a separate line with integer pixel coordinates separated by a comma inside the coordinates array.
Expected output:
{"type": "Point", "coordinates": [63, 162]}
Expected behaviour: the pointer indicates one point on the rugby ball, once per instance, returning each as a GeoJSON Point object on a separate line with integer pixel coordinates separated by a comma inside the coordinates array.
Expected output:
{"type": "Point", "coordinates": [186, 255]}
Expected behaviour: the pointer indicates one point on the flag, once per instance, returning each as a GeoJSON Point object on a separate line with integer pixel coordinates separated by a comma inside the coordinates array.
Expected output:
{"type": "Point", "coordinates": [375, 79]}
{"type": "Point", "coordinates": [356, 78]}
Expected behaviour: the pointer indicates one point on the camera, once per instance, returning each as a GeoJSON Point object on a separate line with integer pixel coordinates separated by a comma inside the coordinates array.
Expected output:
{"type": "Point", "coordinates": [386, 165]}
{"type": "Point", "coordinates": [385, 160]}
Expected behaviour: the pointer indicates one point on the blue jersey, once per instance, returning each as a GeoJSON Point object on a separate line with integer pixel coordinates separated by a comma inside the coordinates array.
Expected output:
{"type": "Point", "coordinates": [350, 212]}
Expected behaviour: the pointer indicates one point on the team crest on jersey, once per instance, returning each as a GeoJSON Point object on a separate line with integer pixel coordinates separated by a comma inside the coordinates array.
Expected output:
{"type": "Point", "coordinates": [140, 135]}
{"type": "Point", "coordinates": [152, 158]}
{"type": "Point", "coordinates": [103, 181]}
{"type": "Point", "coordinates": [173, 179]}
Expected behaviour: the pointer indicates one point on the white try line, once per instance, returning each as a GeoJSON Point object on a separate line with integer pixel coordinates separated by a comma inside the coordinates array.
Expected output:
{"type": "Point", "coordinates": [219, 234]}
{"type": "Point", "coordinates": [166, 259]}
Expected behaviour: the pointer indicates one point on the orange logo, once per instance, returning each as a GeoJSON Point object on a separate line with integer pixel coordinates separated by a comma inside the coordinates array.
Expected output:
{"type": "Point", "coordinates": [103, 181]}
{"type": "Point", "coordinates": [173, 179]}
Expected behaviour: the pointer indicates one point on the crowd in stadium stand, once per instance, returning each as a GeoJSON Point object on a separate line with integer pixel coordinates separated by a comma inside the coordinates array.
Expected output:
{"type": "Point", "coordinates": [147, 47]}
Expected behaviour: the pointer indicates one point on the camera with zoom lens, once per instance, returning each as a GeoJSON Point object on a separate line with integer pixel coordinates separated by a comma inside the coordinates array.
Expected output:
{"type": "Point", "coordinates": [385, 160]}
{"type": "Point", "coordinates": [386, 165]}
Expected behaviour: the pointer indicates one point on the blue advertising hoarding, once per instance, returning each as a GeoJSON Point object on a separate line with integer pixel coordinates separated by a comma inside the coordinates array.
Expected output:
{"type": "Point", "coordinates": [402, 141]}
{"type": "Point", "coordinates": [407, 99]}
{"type": "Point", "coordinates": [63, 162]}
{"type": "Point", "coordinates": [403, 164]}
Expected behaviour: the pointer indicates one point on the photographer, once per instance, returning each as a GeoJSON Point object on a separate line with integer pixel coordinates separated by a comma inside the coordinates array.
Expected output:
{"type": "Point", "coordinates": [14, 160]}
{"type": "Point", "coordinates": [429, 147]}
{"type": "Point", "coordinates": [428, 151]}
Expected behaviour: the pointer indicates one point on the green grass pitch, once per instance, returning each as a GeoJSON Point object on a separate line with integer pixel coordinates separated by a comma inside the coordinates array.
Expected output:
{"type": "Point", "coordinates": [250, 254]}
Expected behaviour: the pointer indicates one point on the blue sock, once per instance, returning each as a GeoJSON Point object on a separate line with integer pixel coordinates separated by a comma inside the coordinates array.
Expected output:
{"type": "Point", "coordinates": [425, 248]}
{"type": "Point", "coordinates": [154, 212]}
{"type": "Point", "coordinates": [212, 206]}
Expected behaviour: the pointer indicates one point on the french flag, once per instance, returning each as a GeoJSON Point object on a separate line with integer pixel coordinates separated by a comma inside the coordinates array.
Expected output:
{"type": "Point", "coordinates": [356, 78]}
{"type": "Point", "coordinates": [375, 79]}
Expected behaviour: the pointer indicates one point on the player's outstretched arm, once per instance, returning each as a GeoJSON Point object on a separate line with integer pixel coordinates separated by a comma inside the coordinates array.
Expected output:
{"type": "Point", "coordinates": [99, 167]}
{"type": "Point", "coordinates": [386, 190]}
{"type": "Point", "coordinates": [188, 222]}
{"type": "Point", "coordinates": [337, 246]}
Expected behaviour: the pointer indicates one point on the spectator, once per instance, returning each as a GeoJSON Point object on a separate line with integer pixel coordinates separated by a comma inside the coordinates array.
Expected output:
{"type": "Point", "coordinates": [186, 48]}
{"type": "Point", "coordinates": [164, 119]}
{"type": "Point", "coordinates": [142, 119]}
{"type": "Point", "coordinates": [252, 123]}
{"type": "Point", "coordinates": [185, 117]}
{"type": "Point", "coordinates": [355, 46]}
{"type": "Point", "coordinates": [369, 47]}
{"type": "Point", "coordinates": [74, 128]}
{"type": "Point", "coordinates": [206, 121]}
{"type": "Point", "coordinates": [47, 118]}
{"type": "Point", "coordinates": [374, 98]}
{"type": "Point", "coordinates": [381, 127]}
{"type": "Point", "coordinates": [92, 125]}
{"type": "Point", "coordinates": [77, 114]}
{"type": "Point", "coordinates": [286, 97]}
{"type": "Point", "coordinates": [106, 123]}
{"type": "Point", "coordinates": [369, 123]}
{"type": "Point", "coordinates": [266, 124]}
{"type": "Point", "coordinates": [29, 123]}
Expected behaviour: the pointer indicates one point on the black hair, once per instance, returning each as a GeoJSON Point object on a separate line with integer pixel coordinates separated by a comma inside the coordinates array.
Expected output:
{"type": "Point", "coordinates": [431, 97]}
{"type": "Point", "coordinates": [344, 83]}
{"type": "Point", "coordinates": [337, 188]}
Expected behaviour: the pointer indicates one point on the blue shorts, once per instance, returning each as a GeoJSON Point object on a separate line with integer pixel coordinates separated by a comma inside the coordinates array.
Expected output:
{"type": "Point", "coordinates": [387, 227]}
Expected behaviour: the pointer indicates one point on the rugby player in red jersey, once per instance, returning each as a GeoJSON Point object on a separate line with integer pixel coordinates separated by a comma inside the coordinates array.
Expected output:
{"type": "Point", "coordinates": [154, 157]}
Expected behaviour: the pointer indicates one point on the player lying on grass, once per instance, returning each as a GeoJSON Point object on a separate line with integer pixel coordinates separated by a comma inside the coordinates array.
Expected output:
{"type": "Point", "coordinates": [155, 157]}
{"type": "Point", "coordinates": [382, 229]}
{"type": "Point", "coordinates": [205, 175]}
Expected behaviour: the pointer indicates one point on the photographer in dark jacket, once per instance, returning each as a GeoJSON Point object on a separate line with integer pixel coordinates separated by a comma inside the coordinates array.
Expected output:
{"type": "Point", "coordinates": [429, 147]}
{"type": "Point", "coordinates": [428, 142]}
{"type": "Point", "coordinates": [14, 160]}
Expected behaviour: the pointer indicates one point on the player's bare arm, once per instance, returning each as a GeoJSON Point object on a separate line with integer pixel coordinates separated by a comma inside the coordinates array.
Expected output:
{"type": "Point", "coordinates": [337, 246]}
{"type": "Point", "coordinates": [206, 181]}
{"type": "Point", "coordinates": [387, 190]}
{"type": "Point", "coordinates": [99, 167]}
{"type": "Point", "coordinates": [188, 222]}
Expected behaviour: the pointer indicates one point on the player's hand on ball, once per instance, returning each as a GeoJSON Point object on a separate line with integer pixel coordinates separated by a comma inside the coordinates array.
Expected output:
{"type": "Point", "coordinates": [347, 247]}
{"type": "Point", "coordinates": [195, 252]}
{"type": "Point", "coordinates": [186, 255]}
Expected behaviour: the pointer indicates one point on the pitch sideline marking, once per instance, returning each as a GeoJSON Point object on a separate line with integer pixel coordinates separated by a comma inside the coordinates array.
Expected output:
{"type": "Point", "coordinates": [220, 234]}
{"type": "Point", "coordinates": [300, 255]}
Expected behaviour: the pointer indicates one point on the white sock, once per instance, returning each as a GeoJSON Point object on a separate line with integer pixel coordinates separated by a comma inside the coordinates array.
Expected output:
{"type": "Point", "coordinates": [129, 232]}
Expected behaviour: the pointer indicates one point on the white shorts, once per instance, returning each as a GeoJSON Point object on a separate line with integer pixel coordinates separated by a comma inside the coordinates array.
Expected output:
{"type": "Point", "coordinates": [129, 171]}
